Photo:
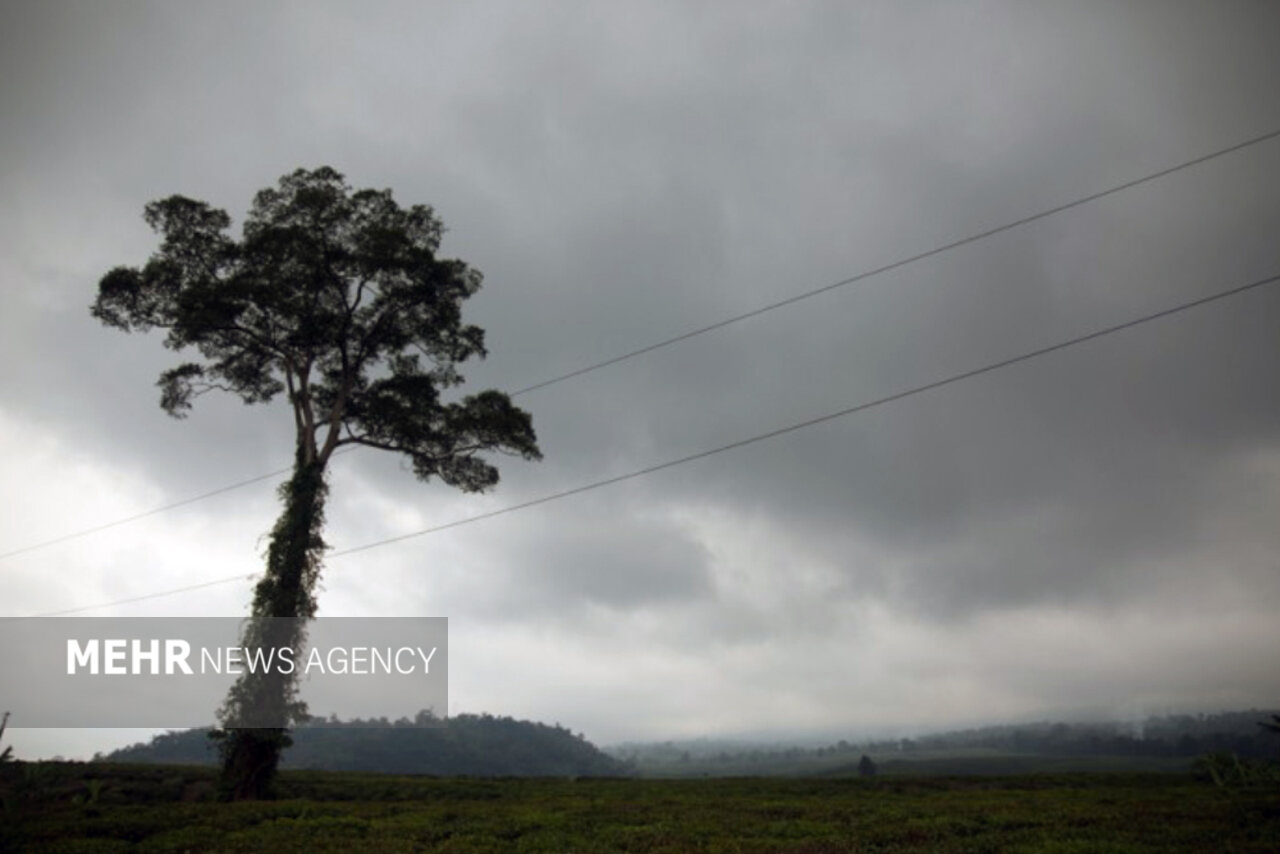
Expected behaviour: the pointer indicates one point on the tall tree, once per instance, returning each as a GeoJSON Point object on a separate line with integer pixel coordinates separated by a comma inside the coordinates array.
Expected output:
{"type": "Point", "coordinates": [337, 300]}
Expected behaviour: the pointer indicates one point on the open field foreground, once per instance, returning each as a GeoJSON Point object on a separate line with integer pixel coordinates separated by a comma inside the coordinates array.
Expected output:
{"type": "Point", "coordinates": [107, 808]}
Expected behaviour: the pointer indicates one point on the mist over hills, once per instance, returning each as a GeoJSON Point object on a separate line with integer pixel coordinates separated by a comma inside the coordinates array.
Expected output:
{"type": "Point", "coordinates": [1165, 743]}
{"type": "Point", "coordinates": [489, 746]}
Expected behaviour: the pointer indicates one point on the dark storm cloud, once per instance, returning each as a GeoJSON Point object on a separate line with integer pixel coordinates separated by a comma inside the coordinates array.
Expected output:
{"type": "Point", "coordinates": [625, 173]}
{"type": "Point", "coordinates": [605, 561]}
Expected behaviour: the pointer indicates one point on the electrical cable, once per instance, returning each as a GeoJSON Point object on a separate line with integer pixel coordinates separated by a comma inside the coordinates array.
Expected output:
{"type": "Point", "coordinates": [791, 428]}
{"type": "Point", "coordinates": [720, 324]}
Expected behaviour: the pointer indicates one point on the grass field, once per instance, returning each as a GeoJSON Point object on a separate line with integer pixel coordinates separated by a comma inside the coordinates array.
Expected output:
{"type": "Point", "coordinates": [67, 807]}
{"type": "Point", "coordinates": [941, 763]}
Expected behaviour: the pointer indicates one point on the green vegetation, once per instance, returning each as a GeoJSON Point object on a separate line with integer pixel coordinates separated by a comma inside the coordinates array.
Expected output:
{"type": "Point", "coordinates": [1229, 771]}
{"type": "Point", "coordinates": [104, 807]}
{"type": "Point", "coordinates": [488, 746]}
{"type": "Point", "coordinates": [914, 801]}
{"type": "Point", "coordinates": [337, 300]}
{"type": "Point", "coordinates": [473, 745]}
{"type": "Point", "coordinates": [1160, 744]}
{"type": "Point", "coordinates": [956, 762]}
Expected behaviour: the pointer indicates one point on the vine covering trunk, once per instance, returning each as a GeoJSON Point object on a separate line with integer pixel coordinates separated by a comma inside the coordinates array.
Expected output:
{"type": "Point", "coordinates": [283, 602]}
{"type": "Point", "coordinates": [337, 299]}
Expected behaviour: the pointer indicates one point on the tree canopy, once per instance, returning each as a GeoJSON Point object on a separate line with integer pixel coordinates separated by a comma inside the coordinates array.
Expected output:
{"type": "Point", "coordinates": [339, 300]}
{"type": "Point", "coordinates": [336, 298]}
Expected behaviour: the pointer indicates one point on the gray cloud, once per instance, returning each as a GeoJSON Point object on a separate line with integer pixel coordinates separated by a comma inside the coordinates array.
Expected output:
{"type": "Point", "coordinates": [623, 174]}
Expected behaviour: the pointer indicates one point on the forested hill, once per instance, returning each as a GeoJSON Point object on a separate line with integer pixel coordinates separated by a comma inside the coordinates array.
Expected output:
{"type": "Point", "coordinates": [1156, 743]}
{"type": "Point", "coordinates": [467, 745]}
{"type": "Point", "coordinates": [1242, 733]}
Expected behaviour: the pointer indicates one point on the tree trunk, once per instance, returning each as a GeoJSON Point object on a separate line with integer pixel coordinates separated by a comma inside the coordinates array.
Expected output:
{"type": "Point", "coordinates": [260, 707]}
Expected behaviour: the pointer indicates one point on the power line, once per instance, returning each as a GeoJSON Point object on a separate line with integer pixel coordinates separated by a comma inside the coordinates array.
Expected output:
{"type": "Point", "coordinates": [86, 532]}
{"type": "Point", "coordinates": [159, 595]}
{"type": "Point", "coordinates": [964, 241]}
{"type": "Point", "coordinates": [790, 428]}
{"type": "Point", "coordinates": [729, 321]}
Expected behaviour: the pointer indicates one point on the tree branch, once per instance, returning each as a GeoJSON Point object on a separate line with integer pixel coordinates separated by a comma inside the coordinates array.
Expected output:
{"type": "Point", "coordinates": [307, 434]}
{"type": "Point", "coordinates": [293, 394]}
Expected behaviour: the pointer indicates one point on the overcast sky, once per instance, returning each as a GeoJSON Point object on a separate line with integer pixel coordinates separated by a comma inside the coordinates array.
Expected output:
{"type": "Point", "coordinates": [1089, 534]}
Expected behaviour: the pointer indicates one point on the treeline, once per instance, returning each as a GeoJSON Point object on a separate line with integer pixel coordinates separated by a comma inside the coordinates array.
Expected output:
{"type": "Point", "coordinates": [1173, 736]}
{"type": "Point", "coordinates": [465, 745]}
{"type": "Point", "coordinates": [1170, 735]}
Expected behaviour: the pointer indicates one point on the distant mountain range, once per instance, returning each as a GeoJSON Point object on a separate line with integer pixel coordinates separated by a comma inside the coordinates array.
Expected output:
{"type": "Point", "coordinates": [488, 746]}
{"type": "Point", "coordinates": [464, 745]}
{"type": "Point", "coordinates": [1157, 743]}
